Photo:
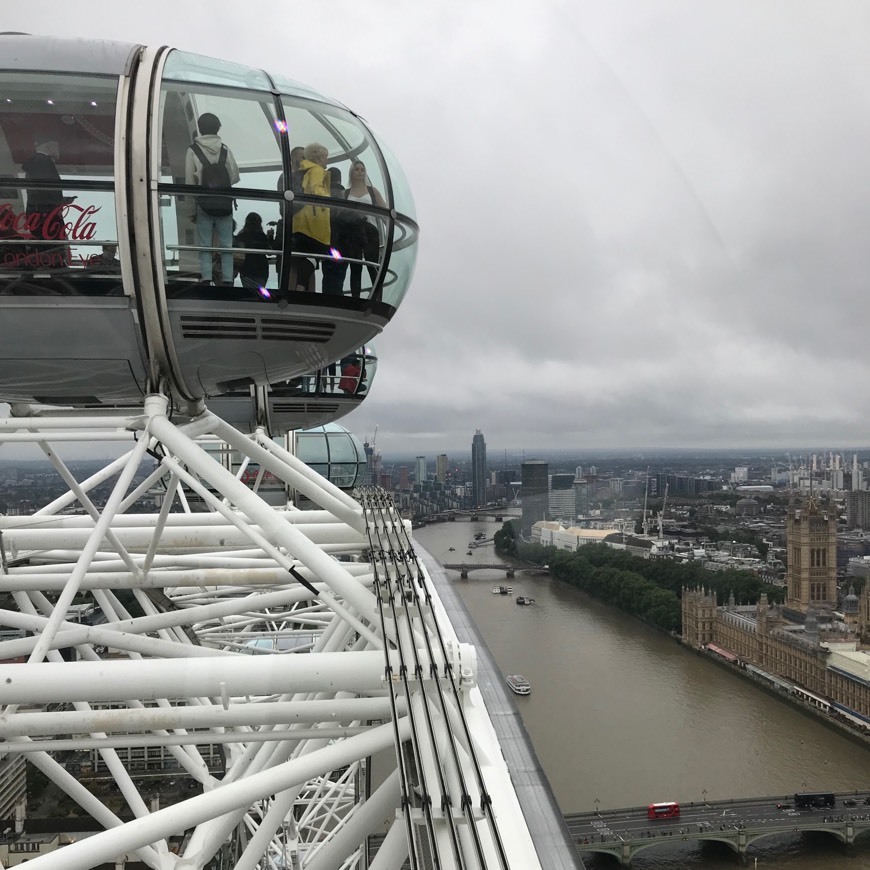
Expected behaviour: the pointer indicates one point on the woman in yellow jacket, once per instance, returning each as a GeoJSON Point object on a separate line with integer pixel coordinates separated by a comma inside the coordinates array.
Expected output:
{"type": "Point", "coordinates": [311, 229]}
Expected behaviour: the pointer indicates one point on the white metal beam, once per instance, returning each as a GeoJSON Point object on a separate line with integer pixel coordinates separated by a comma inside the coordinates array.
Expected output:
{"type": "Point", "coordinates": [182, 599]}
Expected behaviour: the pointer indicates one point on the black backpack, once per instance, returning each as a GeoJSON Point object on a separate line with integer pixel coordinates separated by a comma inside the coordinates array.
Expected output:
{"type": "Point", "coordinates": [296, 178]}
{"type": "Point", "coordinates": [214, 176]}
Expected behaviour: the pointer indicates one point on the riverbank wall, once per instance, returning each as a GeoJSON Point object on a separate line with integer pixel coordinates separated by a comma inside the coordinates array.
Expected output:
{"type": "Point", "coordinates": [843, 728]}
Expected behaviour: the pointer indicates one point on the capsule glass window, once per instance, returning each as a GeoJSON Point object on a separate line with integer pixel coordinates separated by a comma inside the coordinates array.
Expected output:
{"type": "Point", "coordinates": [344, 137]}
{"type": "Point", "coordinates": [183, 66]}
{"type": "Point", "coordinates": [348, 240]}
{"type": "Point", "coordinates": [205, 213]}
{"type": "Point", "coordinates": [58, 232]}
{"type": "Point", "coordinates": [403, 258]}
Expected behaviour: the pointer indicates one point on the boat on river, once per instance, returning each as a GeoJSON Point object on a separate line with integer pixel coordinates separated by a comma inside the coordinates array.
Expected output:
{"type": "Point", "coordinates": [519, 685]}
{"type": "Point", "coordinates": [502, 590]}
{"type": "Point", "coordinates": [524, 599]}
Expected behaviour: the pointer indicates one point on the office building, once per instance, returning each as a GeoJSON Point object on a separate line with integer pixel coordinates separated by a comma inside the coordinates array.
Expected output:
{"type": "Point", "coordinates": [535, 493]}
{"type": "Point", "coordinates": [420, 470]}
{"type": "Point", "coordinates": [562, 500]}
{"type": "Point", "coordinates": [858, 509]}
{"type": "Point", "coordinates": [582, 497]}
{"type": "Point", "coordinates": [404, 478]}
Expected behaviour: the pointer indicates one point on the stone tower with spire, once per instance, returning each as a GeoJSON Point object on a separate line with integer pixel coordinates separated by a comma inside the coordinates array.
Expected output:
{"type": "Point", "coordinates": [811, 534]}
{"type": "Point", "coordinates": [699, 614]}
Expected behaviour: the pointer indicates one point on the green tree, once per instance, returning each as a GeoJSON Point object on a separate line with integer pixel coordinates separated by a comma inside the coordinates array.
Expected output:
{"type": "Point", "coordinates": [647, 588]}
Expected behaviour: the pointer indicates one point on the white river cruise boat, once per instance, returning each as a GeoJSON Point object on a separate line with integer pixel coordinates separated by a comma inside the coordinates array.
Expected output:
{"type": "Point", "coordinates": [519, 684]}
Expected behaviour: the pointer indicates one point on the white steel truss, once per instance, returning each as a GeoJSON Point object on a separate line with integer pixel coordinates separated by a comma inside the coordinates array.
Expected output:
{"type": "Point", "coordinates": [293, 671]}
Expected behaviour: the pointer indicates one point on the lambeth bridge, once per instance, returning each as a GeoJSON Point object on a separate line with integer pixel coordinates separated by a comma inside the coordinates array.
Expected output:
{"type": "Point", "coordinates": [510, 570]}
{"type": "Point", "coordinates": [464, 567]}
{"type": "Point", "coordinates": [738, 823]}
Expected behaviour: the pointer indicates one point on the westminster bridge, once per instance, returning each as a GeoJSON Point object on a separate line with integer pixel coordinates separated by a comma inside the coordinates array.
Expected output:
{"type": "Point", "coordinates": [738, 823]}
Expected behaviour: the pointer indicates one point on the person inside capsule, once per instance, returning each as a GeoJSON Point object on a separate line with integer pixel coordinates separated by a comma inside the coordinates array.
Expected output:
{"type": "Point", "coordinates": [210, 164]}
{"type": "Point", "coordinates": [311, 224]}
{"type": "Point", "coordinates": [45, 204]}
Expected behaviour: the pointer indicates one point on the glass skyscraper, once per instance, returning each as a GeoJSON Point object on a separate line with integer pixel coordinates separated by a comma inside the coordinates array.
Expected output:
{"type": "Point", "coordinates": [478, 470]}
{"type": "Point", "coordinates": [536, 493]}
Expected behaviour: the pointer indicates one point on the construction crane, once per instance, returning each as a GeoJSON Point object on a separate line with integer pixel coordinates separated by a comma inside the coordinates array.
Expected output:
{"type": "Point", "coordinates": [644, 524]}
{"type": "Point", "coordinates": [662, 513]}
{"type": "Point", "coordinates": [371, 458]}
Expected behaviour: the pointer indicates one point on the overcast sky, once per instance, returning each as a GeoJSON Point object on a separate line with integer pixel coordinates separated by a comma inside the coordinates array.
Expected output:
{"type": "Point", "coordinates": [643, 224]}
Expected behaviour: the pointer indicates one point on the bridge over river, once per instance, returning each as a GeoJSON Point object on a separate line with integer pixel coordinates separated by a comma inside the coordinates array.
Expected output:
{"type": "Point", "coordinates": [464, 567]}
{"type": "Point", "coordinates": [510, 570]}
{"type": "Point", "coordinates": [738, 822]}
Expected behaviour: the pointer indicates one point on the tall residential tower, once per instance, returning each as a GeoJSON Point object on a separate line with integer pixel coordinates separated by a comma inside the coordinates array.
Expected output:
{"type": "Point", "coordinates": [478, 470]}
{"type": "Point", "coordinates": [441, 465]}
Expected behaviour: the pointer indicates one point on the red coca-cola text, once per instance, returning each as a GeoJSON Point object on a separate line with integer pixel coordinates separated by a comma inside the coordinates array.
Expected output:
{"type": "Point", "coordinates": [65, 222]}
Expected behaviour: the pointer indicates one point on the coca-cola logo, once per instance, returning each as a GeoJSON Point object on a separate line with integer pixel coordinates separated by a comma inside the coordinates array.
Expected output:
{"type": "Point", "coordinates": [67, 222]}
{"type": "Point", "coordinates": [249, 476]}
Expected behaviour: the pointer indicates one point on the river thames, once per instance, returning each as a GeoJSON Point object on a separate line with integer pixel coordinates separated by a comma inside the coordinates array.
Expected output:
{"type": "Point", "coordinates": [620, 715]}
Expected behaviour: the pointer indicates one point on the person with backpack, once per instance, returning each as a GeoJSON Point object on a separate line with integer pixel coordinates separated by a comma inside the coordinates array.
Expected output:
{"type": "Point", "coordinates": [211, 165]}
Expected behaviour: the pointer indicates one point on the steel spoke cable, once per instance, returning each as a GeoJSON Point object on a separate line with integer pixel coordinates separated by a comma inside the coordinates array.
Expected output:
{"type": "Point", "coordinates": [412, 598]}
{"type": "Point", "coordinates": [434, 753]}
{"type": "Point", "coordinates": [465, 798]}
{"type": "Point", "coordinates": [385, 526]}
{"type": "Point", "coordinates": [486, 800]}
{"type": "Point", "coordinates": [405, 788]}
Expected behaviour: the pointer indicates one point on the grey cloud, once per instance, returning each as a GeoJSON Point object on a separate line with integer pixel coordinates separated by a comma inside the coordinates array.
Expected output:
{"type": "Point", "coordinates": [642, 224]}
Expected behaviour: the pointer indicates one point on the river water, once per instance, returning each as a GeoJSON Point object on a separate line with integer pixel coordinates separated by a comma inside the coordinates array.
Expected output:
{"type": "Point", "coordinates": [620, 715]}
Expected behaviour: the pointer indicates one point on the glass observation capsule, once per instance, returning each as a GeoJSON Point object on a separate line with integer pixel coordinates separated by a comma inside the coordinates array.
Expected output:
{"type": "Point", "coordinates": [303, 402]}
{"type": "Point", "coordinates": [176, 222]}
{"type": "Point", "coordinates": [334, 452]}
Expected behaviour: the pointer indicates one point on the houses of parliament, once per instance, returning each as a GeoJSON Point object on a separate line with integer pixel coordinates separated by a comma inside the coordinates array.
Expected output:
{"type": "Point", "coordinates": [815, 646]}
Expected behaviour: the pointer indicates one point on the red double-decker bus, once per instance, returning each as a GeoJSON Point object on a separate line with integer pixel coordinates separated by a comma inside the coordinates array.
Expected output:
{"type": "Point", "coordinates": [666, 810]}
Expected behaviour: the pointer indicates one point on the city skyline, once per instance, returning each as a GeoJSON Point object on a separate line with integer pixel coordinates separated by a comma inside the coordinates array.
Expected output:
{"type": "Point", "coordinates": [498, 458]}
{"type": "Point", "coordinates": [695, 278]}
